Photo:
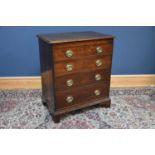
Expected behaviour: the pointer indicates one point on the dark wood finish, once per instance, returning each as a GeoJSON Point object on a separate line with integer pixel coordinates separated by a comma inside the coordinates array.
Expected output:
{"type": "Point", "coordinates": [81, 79]}
{"type": "Point", "coordinates": [101, 102]}
{"type": "Point", "coordinates": [85, 64]}
{"type": "Point", "coordinates": [106, 104]}
{"type": "Point", "coordinates": [56, 118]}
{"type": "Point", "coordinates": [82, 95]}
{"type": "Point", "coordinates": [47, 74]}
{"type": "Point", "coordinates": [82, 50]}
{"type": "Point", "coordinates": [83, 43]}
{"type": "Point", "coordinates": [54, 75]}
{"type": "Point", "coordinates": [72, 36]}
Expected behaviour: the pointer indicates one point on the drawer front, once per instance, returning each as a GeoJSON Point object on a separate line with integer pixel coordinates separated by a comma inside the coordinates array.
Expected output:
{"type": "Point", "coordinates": [81, 95]}
{"type": "Point", "coordinates": [75, 52]}
{"type": "Point", "coordinates": [83, 43]}
{"type": "Point", "coordinates": [85, 64]}
{"type": "Point", "coordinates": [81, 79]}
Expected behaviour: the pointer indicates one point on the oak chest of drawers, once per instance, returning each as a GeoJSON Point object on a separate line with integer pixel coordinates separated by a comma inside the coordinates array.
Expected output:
{"type": "Point", "coordinates": [75, 70]}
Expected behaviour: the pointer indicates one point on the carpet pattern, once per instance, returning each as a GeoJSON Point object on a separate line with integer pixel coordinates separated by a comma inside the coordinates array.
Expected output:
{"type": "Point", "coordinates": [130, 108]}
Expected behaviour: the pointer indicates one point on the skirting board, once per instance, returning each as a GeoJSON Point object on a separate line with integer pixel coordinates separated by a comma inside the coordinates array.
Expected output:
{"type": "Point", "coordinates": [116, 81]}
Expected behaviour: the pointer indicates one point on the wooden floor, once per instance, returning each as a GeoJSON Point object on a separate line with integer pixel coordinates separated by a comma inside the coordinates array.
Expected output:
{"type": "Point", "coordinates": [116, 81]}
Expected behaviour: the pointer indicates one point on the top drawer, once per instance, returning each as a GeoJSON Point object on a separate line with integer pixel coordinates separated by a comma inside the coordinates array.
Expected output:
{"type": "Point", "coordinates": [78, 50]}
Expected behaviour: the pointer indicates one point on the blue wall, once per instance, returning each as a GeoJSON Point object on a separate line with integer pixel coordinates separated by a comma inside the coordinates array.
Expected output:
{"type": "Point", "coordinates": [134, 49]}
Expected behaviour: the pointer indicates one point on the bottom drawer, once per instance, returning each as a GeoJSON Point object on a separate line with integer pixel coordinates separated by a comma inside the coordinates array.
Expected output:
{"type": "Point", "coordinates": [82, 95]}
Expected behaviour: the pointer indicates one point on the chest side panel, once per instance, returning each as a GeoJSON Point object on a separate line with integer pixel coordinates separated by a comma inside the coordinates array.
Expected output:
{"type": "Point", "coordinates": [47, 74]}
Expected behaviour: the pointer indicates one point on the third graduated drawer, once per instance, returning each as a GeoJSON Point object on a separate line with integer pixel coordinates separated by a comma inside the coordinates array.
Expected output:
{"type": "Point", "coordinates": [81, 79]}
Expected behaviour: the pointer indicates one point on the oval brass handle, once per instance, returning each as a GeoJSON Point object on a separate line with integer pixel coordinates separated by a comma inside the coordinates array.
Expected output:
{"type": "Point", "coordinates": [99, 49]}
{"type": "Point", "coordinates": [69, 67]}
{"type": "Point", "coordinates": [69, 82]}
{"type": "Point", "coordinates": [69, 99]}
{"type": "Point", "coordinates": [98, 77]}
{"type": "Point", "coordinates": [98, 63]}
{"type": "Point", "coordinates": [97, 92]}
{"type": "Point", "coordinates": [69, 53]}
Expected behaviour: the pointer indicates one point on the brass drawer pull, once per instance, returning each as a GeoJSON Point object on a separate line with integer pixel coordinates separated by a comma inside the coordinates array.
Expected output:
{"type": "Point", "coordinates": [98, 77]}
{"type": "Point", "coordinates": [69, 67]}
{"type": "Point", "coordinates": [69, 82]}
{"type": "Point", "coordinates": [97, 92]}
{"type": "Point", "coordinates": [69, 99]}
{"type": "Point", "coordinates": [99, 49]}
{"type": "Point", "coordinates": [69, 53]}
{"type": "Point", "coordinates": [98, 63]}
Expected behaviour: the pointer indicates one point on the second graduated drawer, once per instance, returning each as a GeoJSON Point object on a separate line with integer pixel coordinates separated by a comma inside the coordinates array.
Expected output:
{"type": "Point", "coordinates": [81, 79]}
{"type": "Point", "coordinates": [85, 64]}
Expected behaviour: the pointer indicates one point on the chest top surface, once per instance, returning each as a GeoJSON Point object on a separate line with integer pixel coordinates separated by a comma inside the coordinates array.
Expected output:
{"type": "Point", "coordinates": [53, 38]}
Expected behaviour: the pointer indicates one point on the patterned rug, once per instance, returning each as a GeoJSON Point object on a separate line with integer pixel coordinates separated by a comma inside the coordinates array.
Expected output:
{"type": "Point", "coordinates": [130, 108]}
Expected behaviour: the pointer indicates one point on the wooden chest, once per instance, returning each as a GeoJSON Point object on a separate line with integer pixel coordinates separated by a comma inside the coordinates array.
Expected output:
{"type": "Point", "coordinates": [75, 70]}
